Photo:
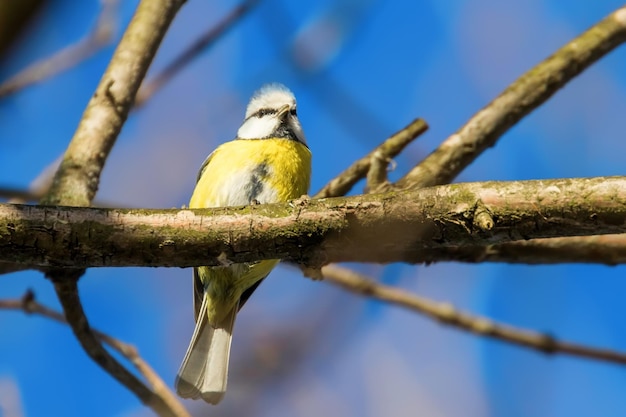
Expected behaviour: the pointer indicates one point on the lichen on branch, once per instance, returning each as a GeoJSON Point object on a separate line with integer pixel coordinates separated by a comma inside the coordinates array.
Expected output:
{"type": "Point", "coordinates": [391, 227]}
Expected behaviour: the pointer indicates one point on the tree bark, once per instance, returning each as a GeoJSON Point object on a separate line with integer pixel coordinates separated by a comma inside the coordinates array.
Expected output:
{"type": "Point", "coordinates": [389, 227]}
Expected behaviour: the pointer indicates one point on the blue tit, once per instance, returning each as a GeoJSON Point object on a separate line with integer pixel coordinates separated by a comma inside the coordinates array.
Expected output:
{"type": "Point", "coordinates": [268, 162]}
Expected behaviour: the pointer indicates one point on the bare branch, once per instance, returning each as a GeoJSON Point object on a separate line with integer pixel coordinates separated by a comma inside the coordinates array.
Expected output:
{"type": "Point", "coordinates": [19, 194]}
{"type": "Point", "coordinates": [77, 178]}
{"type": "Point", "coordinates": [377, 180]}
{"type": "Point", "coordinates": [389, 149]}
{"type": "Point", "coordinates": [76, 181]}
{"type": "Point", "coordinates": [399, 226]}
{"type": "Point", "coordinates": [446, 314]}
{"type": "Point", "coordinates": [602, 249]}
{"type": "Point", "coordinates": [526, 94]}
{"type": "Point", "coordinates": [100, 35]}
{"type": "Point", "coordinates": [29, 305]}
{"type": "Point", "coordinates": [200, 45]}
{"type": "Point", "coordinates": [67, 292]}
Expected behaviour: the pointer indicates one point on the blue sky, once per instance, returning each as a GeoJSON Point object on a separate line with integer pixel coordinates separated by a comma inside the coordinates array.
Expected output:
{"type": "Point", "coordinates": [360, 70]}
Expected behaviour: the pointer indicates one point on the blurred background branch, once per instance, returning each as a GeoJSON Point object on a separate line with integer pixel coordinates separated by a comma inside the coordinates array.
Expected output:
{"type": "Point", "coordinates": [100, 35]}
{"type": "Point", "coordinates": [201, 45]}
{"type": "Point", "coordinates": [15, 16]}
{"type": "Point", "coordinates": [446, 314]}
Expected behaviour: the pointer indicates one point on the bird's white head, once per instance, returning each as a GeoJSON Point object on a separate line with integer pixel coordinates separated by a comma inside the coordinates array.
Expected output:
{"type": "Point", "coordinates": [272, 113]}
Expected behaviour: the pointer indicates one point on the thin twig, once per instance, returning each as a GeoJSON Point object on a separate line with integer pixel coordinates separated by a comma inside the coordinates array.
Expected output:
{"type": "Point", "coordinates": [377, 179]}
{"type": "Point", "coordinates": [389, 149]}
{"type": "Point", "coordinates": [19, 195]}
{"type": "Point", "coordinates": [66, 288]}
{"type": "Point", "coordinates": [446, 314]}
{"type": "Point", "coordinates": [41, 184]}
{"type": "Point", "coordinates": [526, 94]}
{"type": "Point", "coordinates": [99, 36]}
{"type": "Point", "coordinates": [25, 196]}
{"type": "Point", "coordinates": [29, 305]}
{"type": "Point", "coordinates": [200, 45]}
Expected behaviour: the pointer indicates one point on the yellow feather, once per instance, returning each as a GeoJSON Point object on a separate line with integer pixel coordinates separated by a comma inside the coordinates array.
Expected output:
{"type": "Point", "coordinates": [219, 183]}
{"type": "Point", "coordinates": [240, 172]}
{"type": "Point", "coordinates": [223, 182]}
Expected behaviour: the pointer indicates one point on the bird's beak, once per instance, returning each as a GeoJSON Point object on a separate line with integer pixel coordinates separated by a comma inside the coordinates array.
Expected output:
{"type": "Point", "coordinates": [284, 111]}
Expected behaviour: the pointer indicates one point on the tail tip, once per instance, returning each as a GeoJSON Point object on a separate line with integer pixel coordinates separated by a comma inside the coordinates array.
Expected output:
{"type": "Point", "coordinates": [186, 389]}
{"type": "Point", "coordinates": [213, 397]}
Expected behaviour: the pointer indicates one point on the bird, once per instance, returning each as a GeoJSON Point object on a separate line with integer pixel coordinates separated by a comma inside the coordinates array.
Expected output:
{"type": "Point", "coordinates": [268, 162]}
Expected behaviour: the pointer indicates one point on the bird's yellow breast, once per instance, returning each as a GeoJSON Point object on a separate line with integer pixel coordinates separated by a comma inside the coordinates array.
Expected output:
{"type": "Point", "coordinates": [253, 170]}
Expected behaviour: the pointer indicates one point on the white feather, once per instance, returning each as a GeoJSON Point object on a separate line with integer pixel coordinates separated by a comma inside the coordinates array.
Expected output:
{"type": "Point", "coordinates": [270, 97]}
{"type": "Point", "coordinates": [204, 371]}
{"type": "Point", "coordinates": [258, 127]}
{"type": "Point", "coordinates": [232, 191]}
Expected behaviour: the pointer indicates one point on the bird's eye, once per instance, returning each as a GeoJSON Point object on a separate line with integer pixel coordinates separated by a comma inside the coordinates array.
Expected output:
{"type": "Point", "coordinates": [293, 112]}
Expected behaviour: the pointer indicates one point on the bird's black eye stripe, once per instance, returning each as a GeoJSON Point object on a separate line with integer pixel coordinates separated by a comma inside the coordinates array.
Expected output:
{"type": "Point", "coordinates": [265, 112]}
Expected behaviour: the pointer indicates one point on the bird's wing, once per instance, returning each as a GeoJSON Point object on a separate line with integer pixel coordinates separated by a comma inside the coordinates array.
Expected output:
{"type": "Point", "coordinates": [198, 293]}
{"type": "Point", "coordinates": [204, 165]}
{"type": "Point", "coordinates": [198, 287]}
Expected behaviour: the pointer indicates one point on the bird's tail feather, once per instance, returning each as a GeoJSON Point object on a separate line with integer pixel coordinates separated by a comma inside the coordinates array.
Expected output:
{"type": "Point", "coordinates": [204, 371]}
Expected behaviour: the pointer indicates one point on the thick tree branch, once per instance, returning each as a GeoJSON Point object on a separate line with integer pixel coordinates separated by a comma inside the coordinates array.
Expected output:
{"type": "Point", "coordinates": [77, 179]}
{"type": "Point", "coordinates": [446, 314]}
{"type": "Point", "coordinates": [392, 227]}
{"type": "Point", "coordinates": [526, 94]}
{"type": "Point", "coordinates": [602, 249]}
{"type": "Point", "coordinates": [36, 190]}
